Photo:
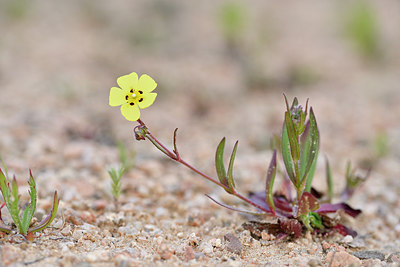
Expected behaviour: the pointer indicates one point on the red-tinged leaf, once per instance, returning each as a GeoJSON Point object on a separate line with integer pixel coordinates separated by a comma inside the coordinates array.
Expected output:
{"type": "Point", "coordinates": [270, 183]}
{"type": "Point", "coordinates": [308, 203]}
{"type": "Point", "coordinates": [343, 230]}
{"type": "Point", "coordinates": [5, 229]}
{"type": "Point", "coordinates": [49, 218]}
{"type": "Point", "coordinates": [235, 209]}
{"type": "Point", "coordinates": [316, 193]}
{"type": "Point", "coordinates": [332, 208]}
{"type": "Point", "coordinates": [282, 207]}
{"type": "Point", "coordinates": [292, 227]}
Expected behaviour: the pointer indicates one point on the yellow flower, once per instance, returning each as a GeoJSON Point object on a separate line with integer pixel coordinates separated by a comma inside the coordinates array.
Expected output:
{"type": "Point", "coordinates": [134, 94]}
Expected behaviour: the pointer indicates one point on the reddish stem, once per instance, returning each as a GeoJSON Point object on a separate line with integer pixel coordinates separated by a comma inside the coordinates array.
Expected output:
{"type": "Point", "coordinates": [175, 156]}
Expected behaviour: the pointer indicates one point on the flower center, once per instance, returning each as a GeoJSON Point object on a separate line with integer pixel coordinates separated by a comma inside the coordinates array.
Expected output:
{"type": "Point", "coordinates": [133, 96]}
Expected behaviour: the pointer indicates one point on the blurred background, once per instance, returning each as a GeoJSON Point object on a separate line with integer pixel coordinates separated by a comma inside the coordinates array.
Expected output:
{"type": "Point", "coordinates": [221, 69]}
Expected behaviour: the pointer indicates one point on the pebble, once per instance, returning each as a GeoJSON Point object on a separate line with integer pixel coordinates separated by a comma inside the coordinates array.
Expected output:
{"type": "Point", "coordinates": [347, 239]}
{"type": "Point", "coordinates": [189, 253]}
{"type": "Point", "coordinates": [57, 223]}
{"type": "Point", "coordinates": [394, 257]}
{"type": "Point", "coordinates": [78, 234]}
{"type": "Point", "coordinates": [216, 242]}
{"type": "Point", "coordinates": [193, 239]}
{"type": "Point", "coordinates": [66, 231]}
{"type": "Point", "coordinates": [369, 254]}
{"type": "Point", "coordinates": [233, 244]}
{"type": "Point", "coordinates": [206, 248]}
{"type": "Point", "coordinates": [341, 258]}
{"type": "Point", "coordinates": [128, 231]}
{"type": "Point", "coordinates": [165, 251]}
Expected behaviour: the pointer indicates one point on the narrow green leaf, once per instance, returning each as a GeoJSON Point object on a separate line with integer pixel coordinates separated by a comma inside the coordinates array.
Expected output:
{"type": "Point", "coordinates": [33, 196]}
{"type": "Point", "coordinates": [311, 173]}
{"type": "Point", "coordinates": [25, 220]}
{"type": "Point", "coordinates": [310, 148]}
{"type": "Point", "coordinates": [231, 182]}
{"type": "Point", "coordinates": [292, 134]}
{"type": "Point", "coordinates": [5, 190]}
{"type": "Point", "coordinates": [329, 181]}
{"type": "Point", "coordinates": [219, 162]}
{"type": "Point", "coordinates": [49, 218]}
{"type": "Point", "coordinates": [348, 171]}
{"type": "Point", "coordinates": [270, 183]}
{"type": "Point", "coordinates": [286, 154]}
{"type": "Point", "coordinates": [14, 211]}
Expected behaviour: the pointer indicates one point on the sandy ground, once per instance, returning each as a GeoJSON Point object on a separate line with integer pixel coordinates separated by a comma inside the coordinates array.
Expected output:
{"type": "Point", "coordinates": [59, 60]}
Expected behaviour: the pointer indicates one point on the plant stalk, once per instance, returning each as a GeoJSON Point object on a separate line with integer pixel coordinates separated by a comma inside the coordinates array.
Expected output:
{"type": "Point", "coordinates": [175, 156]}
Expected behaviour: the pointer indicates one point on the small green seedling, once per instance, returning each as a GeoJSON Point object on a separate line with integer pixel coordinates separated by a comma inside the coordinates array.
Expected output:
{"type": "Point", "coordinates": [116, 175]}
{"type": "Point", "coordinates": [127, 158]}
{"type": "Point", "coordinates": [22, 218]}
{"type": "Point", "coordinates": [362, 28]}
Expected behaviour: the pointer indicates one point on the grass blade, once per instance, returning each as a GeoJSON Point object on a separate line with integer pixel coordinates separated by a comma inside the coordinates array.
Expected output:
{"type": "Point", "coordinates": [14, 211]}
{"type": "Point", "coordinates": [270, 183]}
{"type": "Point", "coordinates": [329, 181]}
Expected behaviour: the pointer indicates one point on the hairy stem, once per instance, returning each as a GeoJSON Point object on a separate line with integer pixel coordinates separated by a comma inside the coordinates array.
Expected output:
{"type": "Point", "coordinates": [175, 156]}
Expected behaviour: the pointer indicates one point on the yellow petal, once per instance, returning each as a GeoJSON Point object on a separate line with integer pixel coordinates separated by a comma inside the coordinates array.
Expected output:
{"type": "Point", "coordinates": [147, 101]}
{"type": "Point", "coordinates": [146, 83]}
{"type": "Point", "coordinates": [128, 82]}
{"type": "Point", "coordinates": [117, 97]}
{"type": "Point", "coordinates": [131, 113]}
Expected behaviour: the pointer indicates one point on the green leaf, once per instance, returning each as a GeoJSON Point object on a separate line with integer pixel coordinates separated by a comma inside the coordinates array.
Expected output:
{"type": "Point", "coordinates": [5, 190]}
{"type": "Point", "coordinates": [286, 154]}
{"type": "Point", "coordinates": [231, 182]}
{"type": "Point", "coordinates": [270, 183]}
{"type": "Point", "coordinates": [329, 181]}
{"type": "Point", "coordinates": [30, 209]}
{"type": "Point", "coordinates": [49, 218]}
{"type": "Point", "coordinates": [14, 210]}
{"type": "Point", "coordinates": [316, 220]}
{"type": "Point", "coordinates": [219, 163]}
{"type": "Point", "coordinates": [309, 148]}
{"type": "Point", "coordinates": [292, 134]}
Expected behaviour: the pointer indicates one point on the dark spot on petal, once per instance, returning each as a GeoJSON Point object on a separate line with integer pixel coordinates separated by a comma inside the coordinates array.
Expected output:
{"type": "Point", "coordinates": [140, 92]}
{"type": "Point", "coordinates": [131, 91]}
{"type": "Point", "coordinates": [140, 100]}
{"type": "Point", "coordinates": [131, 103]}
{"type": "Point", "coordinates": [126, 97]}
